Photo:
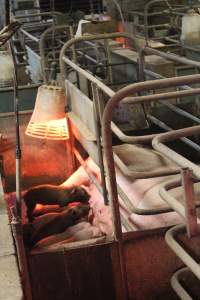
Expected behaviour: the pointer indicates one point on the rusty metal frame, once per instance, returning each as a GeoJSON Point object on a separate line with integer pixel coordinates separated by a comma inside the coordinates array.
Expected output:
{"type": "Point", "coordinates": [108, 126]}
{"type": "Point", "coordinates": [106, 131]}
{"type": "Point", "coordinates": [25, 32]}
{"type": "Point", "coordinates": [107, 140]}
{"type": "Point", "coordinates": [53, 29]}
{"type": "Point", "coordinates": [189, 203]}
{"type": "Point", "coordinates": [76, 40]}
{"type": "Point", "coordinates": [115, 129]}
{"type": "Point", "coordinates": [64, 60]}
{"type": "Point", "coordinates": [131, 139]}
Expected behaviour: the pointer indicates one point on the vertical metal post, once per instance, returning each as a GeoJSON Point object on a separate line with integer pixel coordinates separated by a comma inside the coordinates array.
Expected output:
{"type": "Point", "coordinates": [106, 43]}
{"type": "Point", "coordinates": [17, 130]}
{"type": "Point", "coordinates": [74, 56]}
{"type": "Point", "coordinates": [189, 197]}
{"type": "Point", "coordinates": [96, 99]}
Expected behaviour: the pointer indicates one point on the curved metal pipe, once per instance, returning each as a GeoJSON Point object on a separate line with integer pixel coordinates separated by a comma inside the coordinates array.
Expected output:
{"type": "Point", "coordinates": [52, 29]}
{"type": "Point", "coordinates": [171, 154]}
{"type": "Point", "coordinates": [170, 238]}
{"type": "Point", "coordinates": [168, 56]}
{"type": "Point", "coordinates": [106, 131]}
{"type": "Point", "coordinates": [76, 40]}
{"type": "Point", "coordinates": [146, 8]}
{"type": "Point", "coordinates": [178, 288]}
{"type": "Point", "coordinates": [171, 200]}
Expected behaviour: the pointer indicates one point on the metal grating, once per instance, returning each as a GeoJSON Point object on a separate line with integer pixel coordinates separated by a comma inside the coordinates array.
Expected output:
{"type": "Point", "coordinates": [51, 130]}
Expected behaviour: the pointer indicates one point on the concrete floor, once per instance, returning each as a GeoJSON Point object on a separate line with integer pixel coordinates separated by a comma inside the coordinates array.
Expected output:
{"type": "Point", "coordinates": [10, 286]}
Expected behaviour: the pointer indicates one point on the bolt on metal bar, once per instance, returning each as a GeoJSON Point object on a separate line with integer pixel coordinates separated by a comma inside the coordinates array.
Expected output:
{"type": "Point", "coordinates": [189, 198]}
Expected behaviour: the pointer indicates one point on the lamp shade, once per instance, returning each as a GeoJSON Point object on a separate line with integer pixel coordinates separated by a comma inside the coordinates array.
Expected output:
{"type": "Point", "coordinates": [48, 120]}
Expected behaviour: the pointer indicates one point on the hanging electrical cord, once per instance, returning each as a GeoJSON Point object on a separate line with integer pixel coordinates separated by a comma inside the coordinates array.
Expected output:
{"type": "Point", "coordinates": [17, 131]}
{"type": "Point", "coordinates": [52, 8]}
{"type": "Point", "coordinates": [16, 110]}
{"type": "Point", "coordinates": [16, 222]}
{"type": "Point", "coordinates": [7, 12]}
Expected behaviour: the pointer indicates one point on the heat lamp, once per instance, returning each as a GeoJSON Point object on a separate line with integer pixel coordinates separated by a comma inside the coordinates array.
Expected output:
{"type": "Point", "coordinates": [48, 120]}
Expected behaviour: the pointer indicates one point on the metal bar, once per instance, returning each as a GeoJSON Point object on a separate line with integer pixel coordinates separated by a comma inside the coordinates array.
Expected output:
{"type": "Point", "coordinates": [96, 100]}
{"type": "Point", "coordinates": [178, 288]}
{"type": "Point", "coordinates": [73, 41]}
{"type": "Point", "coordinates": [146, 9]}
{"type": "Point", "coordinates": [182, 45]}
{"type": "Point", "coordinates": [158, 76]}
{"type": "Point", "coordinates": [91, 176]}
{"type": "Point", "coordinates": [30, 36]}
{"type": "Point", "coordinates": [181, 112]}
{"type": "Point", "coordinates": [163, 96]}
{"type": "Point", "coordinates": [17, 133]}
{"type": "Point", "coordinates": [162, 171]}
{"type": "Point", "coordinates": [166, 25]}
{"type": "Point", "coordinates": [140, 211]}
{"type": "Point", "coordinates": [171, 200]}
{"type": "Point", "coordinates": [115, 206]}
{"type": "Point", "coordinates": [106, 129]}
{"type": "Point", "coordinates": [110, 92]}
{"type": "Point", "coordinates": [87, 75]}
{"type": "Point", "coordinates": [167, 128]}
{"type": "Point", "coordinates": [109, 59]}
{"type": "Point", "coordinates": [169, 56]}
{"type": "Point", "coordinates": [41, 14]}
{"type": "Point", "coordinates": [189, 197]}
{"type": "Point", "coordinates": [170, 238]}
{"type": "Point", "coordinates": [42, 45]}
{"type": "Point", "coordinates": [158, 141]}
{"type": "Point", "coordinates": [21, 87]}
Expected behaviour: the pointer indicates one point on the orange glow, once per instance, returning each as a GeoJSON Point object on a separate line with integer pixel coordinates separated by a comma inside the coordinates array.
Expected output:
{"type": "Point", "coordinates": [39, 206]}
{"type": "Point", "coordinates": [52, 130]}
{"type": "Point", "coordinates": [120, 28]}
{"type": "Point", "coordinates": [42, 209]}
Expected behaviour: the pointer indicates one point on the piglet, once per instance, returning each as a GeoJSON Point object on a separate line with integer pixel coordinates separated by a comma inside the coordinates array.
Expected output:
{"type": "Point", "coordinates": [47, 194]}
{"type": "Point", "coordinates": [58, 222]}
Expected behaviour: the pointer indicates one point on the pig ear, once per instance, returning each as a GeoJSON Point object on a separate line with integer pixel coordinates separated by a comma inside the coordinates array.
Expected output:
{"type": "Point", "coordinates": [73, 190]}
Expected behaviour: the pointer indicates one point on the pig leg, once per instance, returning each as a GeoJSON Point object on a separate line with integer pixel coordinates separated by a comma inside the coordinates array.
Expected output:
{"type": "Point", "coordinates": [29, 212]}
